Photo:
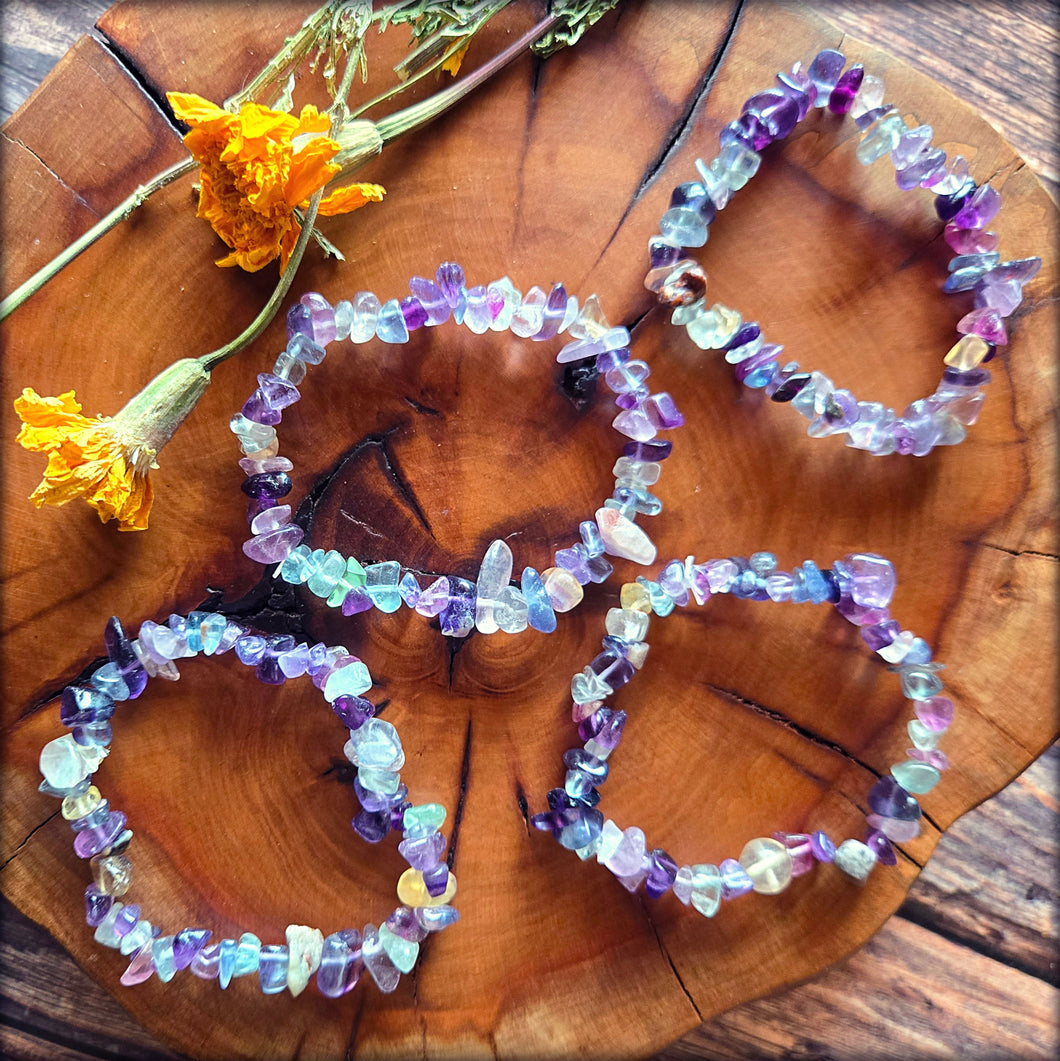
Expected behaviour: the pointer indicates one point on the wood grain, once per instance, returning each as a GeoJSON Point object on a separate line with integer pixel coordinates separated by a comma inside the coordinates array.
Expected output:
{"type": "Point", "coordinates": [1018, 579]}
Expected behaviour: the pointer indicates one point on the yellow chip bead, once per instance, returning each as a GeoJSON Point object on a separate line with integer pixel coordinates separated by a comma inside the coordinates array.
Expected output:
{"type": "Point", "coordinates": [75, 807]}
{"type": "Point", "coordinates": [634, 597]}
{"type": "Point", "coordinates": [967, 353]}
{"type": "Point", "coordinates": [413, 892]}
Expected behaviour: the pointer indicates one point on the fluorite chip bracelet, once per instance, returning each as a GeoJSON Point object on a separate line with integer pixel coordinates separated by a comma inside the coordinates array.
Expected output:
{"type": "Point", "coordinates": [491, 603]}
{"type": "Point", "coordinates": [860, 587]}
{"type": "Point", "coordinates": [965, 208]}
{"type": "Point", "coordinates": [69, 763]}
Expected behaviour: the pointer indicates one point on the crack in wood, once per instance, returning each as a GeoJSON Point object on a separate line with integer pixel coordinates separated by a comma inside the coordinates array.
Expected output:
{"type": "Point", "coordinates": [125, 61]}
{"type": "Point", "coordinates": [461, 797]}
{"type": "Point", "coordinates": [391, 467]}
{"type": "Point", "coordinates": [55, 176]}
{"type": "Point", "coordinates": [669, 961]}
{"type": "Point", "coordinates": [1013, 552]}
{"type": "Point", "coordinates": [524, 806]}
{"type": "Point", "coordinates": [351, 1042]}
{"type": "Point", "coordinates": [29, 836]}
{"type": "Point", "coordinates": [425, 410]}
{"type": "Point", "coordinates": [781, 719]}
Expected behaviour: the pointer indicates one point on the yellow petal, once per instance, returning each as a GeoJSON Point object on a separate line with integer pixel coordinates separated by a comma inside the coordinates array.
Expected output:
{"type": "Point", "coordinates": [194, 109]}
{"type": "Point", "coordinates": [351, 197]}
{"type": "Point", "coordinates": [452, 64]}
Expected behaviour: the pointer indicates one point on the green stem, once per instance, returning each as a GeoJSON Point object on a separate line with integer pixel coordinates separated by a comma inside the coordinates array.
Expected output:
{"type": "Point", "coordinates": [100, 228]}
{"type": "Point", "coordinates": [431, 67]}
{"type": "Point", "coordinates": [262, 320]}
{"type": "Point", "coordinates": [295, 49]}
{"type": "Point", "coordinates": [419, 114]}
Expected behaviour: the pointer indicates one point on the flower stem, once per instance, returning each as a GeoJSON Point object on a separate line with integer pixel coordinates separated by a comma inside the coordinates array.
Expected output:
{"type": "Point", "coordinates": [439, 59]}
{"type": "Point", "coordinates": [100, 228]}
{"type": "Point", "coordinates": [261, 321]}
{"type": "Point", "coordinates": [295, 49]}
{"type": "Point", "coordinates": [419, 114]}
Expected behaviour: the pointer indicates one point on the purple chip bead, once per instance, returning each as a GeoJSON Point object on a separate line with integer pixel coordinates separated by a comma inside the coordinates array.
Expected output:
{"type": "Point", "coordinates": [256, 408]}
{"type": "Point", "coordinates": [268, 671]}
{"type": "Point", "coordinates": [552, 318]}
{"type": "Point", "coordinates": [97, 905]}
{"type": "Point", "coordinates": [356, 601]}
{"type": "Point", "coordinates": [126, 919]}
{"type": "Point", "coordinates": [842, 96]}
{"type": "Point", "coordinates": [662, 872]}
{"type": "Point", "coordinates": [947, 207]}
{"type": "Point", "coordinates": [402, 922]}
{"type": "Point", "coordinates": [378, 801]}
{"type": "Point", "coordinates": [187, 943]}
{"type": "Point", "coordinates": [422, 852]}
{"type": "Point", "coordinates": [662, 412]}
{"type": "Point", "coordinates": [450, 279]}
{"type": "Point", "coordinates": [279, 393]}
{"type": "Point", "coordinates": [91, 841]}
{"type": "Point", "coordinates": [614, 670]}
{"type": "Point", "coordinates": [880, 635]}
{"type": "Point", "coordinates": [653, 450]}
{"type": "Point", "coordinates": [80, 705]}
{"type": "Point", "coordinates": [371, 825]}
{"type": "Point", "coordinates": [979, 209]}
{"type": "Point", "coordinates": [341, 963]}
{"type": "Point", "coordinates": [267, 484]}
{"type": "Point", "coordinates": [936, 712]}
{"type": "Point", "coordinates": [576, 561]}
{"type": "Point", "coordinates": [412, 309]}
{"type": "Point", "coordinates": [822, 846]}
{"type": "Point", "coordinates": [299, 321]}
{"type": "Point", "coordinates": [826, 68]}
{"type": "Point", "coordinates": [985, 322]}
{"type": "Point", "coordinates": [435, 879]}
{"type": "Point", "coordinates": [744, 334]}
{"type": "Point", "coordinates": [776, 109]}
{"type": "Point", "coordinates": [747, 131]}
{"type": "Point", "coordinates": [354, 711]}
{"type": "Point", "coordinates": [662, 254]}
{"type": "Point", "coordinates": [799, 88]}
{"type": "Point", "coordinates": [321, 317]}
{"type": "Point", "coordinates": [872, 579]}
{"type": "Point", "coordinates": [877, 842]}
{"type": "Point", "coordinates": [431, 298]}
{"type": "Point", "coordinates": [735, 880]}
{"type": "Point", "coordinates": [273, 546]}
{"type": "Point", "coordinates": [889, 799]}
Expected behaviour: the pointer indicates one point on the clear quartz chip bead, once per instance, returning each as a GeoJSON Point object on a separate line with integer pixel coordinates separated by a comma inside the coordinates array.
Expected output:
{"type": "Point", "coordinates": [768, 863]}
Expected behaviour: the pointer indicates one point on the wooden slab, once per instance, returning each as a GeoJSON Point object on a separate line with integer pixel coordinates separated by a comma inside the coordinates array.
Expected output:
{"type": "Point", "coordinates": [974, 553]}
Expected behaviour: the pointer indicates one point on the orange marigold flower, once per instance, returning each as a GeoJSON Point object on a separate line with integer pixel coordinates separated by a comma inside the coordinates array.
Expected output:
{"type": "Point", "coordinates": [256, 168]}
{"type": "Point", "coordinates": [105, 459]}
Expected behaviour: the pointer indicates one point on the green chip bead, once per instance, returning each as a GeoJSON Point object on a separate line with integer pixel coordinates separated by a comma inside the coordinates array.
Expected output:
{"type": "Point", "coordinates": [325, 578]}
{"type": "Point", "coordinates": [920, 683]}
{"type": "Point", "coordinates": [355, 575]}
{"type": "Point", "coordinates": [291, 570]}
{"type": "Point", "coordinates": [423, 818]}
{"type": "Point", "coordinates": [402, 952]}
{"type": "Point", "coordinates": [915, 776]}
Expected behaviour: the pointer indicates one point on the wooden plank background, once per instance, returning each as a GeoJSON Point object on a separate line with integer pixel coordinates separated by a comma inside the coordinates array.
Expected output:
{"type": "Point", "coordinates": [969, 964]}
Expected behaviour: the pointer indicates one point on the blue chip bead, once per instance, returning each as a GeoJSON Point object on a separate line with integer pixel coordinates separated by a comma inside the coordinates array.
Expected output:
{"type": "Point", "coordinates": [390, 326]}
{"type": "Point", "coordinates": [540, 613]}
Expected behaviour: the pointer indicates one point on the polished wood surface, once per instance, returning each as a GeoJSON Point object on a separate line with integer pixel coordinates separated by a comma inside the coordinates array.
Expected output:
{"type": "Point", "coordinates": [977, 929]}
